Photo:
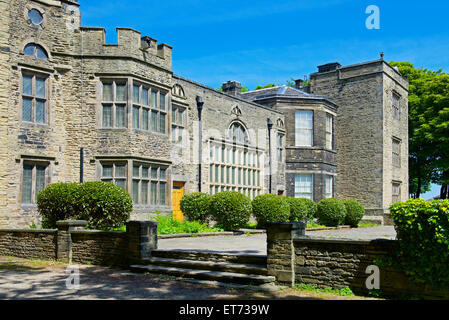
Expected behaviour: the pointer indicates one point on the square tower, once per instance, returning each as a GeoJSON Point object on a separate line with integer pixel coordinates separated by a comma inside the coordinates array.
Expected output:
{"type": "Point", "coordinates": [372, 132]}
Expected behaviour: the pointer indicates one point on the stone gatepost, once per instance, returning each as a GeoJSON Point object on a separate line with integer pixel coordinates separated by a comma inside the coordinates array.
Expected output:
{"type": "Point", "coordinates": [64, 242]}
{"type": "Point", "coordinates": [281, 251]}
{"type": "Point", "coordinates": [142, 239]}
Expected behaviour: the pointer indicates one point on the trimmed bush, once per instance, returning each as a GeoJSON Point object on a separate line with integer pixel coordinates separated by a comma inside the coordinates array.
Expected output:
{"type": "Point", "coordinates": [57, 202]}
{"type": "Point", "coordinates": [104, 206]}
{"type": "Point", "coordinates": [230, 209]}
{"type": "Point", "coordinates": [422, 229]}
{"type": "Point", "coordinates": [354, 212]}
{"type": "Point", "coordinates": [331, 212]}
{"type": "Point", "coordinates": [301, 209]}
{"type": "Point", "coordinates": [270, 208]}
{"type": "Point", "coordinates": [195, 206]}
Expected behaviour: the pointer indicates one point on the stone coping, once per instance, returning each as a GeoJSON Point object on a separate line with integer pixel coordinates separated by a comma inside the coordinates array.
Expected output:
{"type": "Point", "coordinates": [313, 239]}
{"type": "Point", "coordinates": [29, 230]}
{"type": "Point", "coordinates": [211, 234]}
{"type": "Point", "coordinates": [97, 232]}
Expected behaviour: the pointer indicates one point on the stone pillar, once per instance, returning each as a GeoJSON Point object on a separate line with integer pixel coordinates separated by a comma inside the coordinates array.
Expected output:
{"type": "Point", "coordinates": [281, 251]}
{"type": "Point", "coordinates": [142, 239]}
{"type": "Point", "coordinates": [64, 242]}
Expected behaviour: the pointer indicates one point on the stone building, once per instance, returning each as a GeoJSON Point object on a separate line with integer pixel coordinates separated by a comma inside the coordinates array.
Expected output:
{"type": "Point", "coordinates": [74, 108]}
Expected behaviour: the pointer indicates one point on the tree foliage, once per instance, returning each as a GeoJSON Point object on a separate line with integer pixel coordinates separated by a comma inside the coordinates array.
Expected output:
{"type": "Point", "coordinates": [428, 128]}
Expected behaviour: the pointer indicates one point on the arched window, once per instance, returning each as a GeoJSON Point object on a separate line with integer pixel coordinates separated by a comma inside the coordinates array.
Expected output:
{"type": "Point", "coordinates": [238, 133]}
{"type": "Point", "coordinates": [36, 51]}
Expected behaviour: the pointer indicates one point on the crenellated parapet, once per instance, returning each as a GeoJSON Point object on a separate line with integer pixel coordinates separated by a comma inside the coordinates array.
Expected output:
{"type": "Point", "coordinates": [130, 43]}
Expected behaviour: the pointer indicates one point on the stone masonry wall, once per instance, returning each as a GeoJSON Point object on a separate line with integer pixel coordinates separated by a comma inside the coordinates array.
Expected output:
{"type": "Point", "coordinates": [28, 243]}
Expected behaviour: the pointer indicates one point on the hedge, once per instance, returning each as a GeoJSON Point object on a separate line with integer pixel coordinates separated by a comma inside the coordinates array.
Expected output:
{"type": "Point", "coordinates": [301, 209]}
{"type": "Point", "coordinates": [230, 209]}
{"type": "Point", "coordinates": [104, 206]}
{"type": "Point", "coordinates": [270, 208]}
{"type": "Point", "coordinates": [331, 212]}
{"type": "Point", "coordinates": [354, 212]}
{"type": "Point", "coordinates": [195, 206]}
{"type": "Point", "coordinates": [422, 229]}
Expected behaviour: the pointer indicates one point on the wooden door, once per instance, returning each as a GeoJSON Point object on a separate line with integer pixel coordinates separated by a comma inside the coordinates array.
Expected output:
{"type": "Point", "coordinates": [178, 192]}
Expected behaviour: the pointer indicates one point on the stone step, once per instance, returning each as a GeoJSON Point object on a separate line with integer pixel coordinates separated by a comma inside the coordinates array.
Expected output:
{"type": "Point", "coordinates": [209, 265]}
{"type": "Point", "coordinates": [219, 276]}
{"type": "Point", "coordinates": [210, 256]}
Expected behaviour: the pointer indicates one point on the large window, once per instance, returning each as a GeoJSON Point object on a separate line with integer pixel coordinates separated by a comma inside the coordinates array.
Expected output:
{"type": "Point", "coordinates": [235, 168]}
{"type": "Point", "coordinates": [329, 129]}
{"type": "Point", "coordinates": [396, 153]}
{"type": "Point", "coordinates": [114, 102]}
{"type": "Point", "coordinates": [33, 180]}
{"type": "Point", "coordinates": [149, 109]}
{"type": "Point", "coordinates": [304, 128]}
{"type": "Point", "coordinates": [304, 186]}
{"type": "Point", "coordinates": [178, 123]}
{"type": "Point", "coordinates": [34, 98]}
{"type": "Point", "coordinates": [114, 173]}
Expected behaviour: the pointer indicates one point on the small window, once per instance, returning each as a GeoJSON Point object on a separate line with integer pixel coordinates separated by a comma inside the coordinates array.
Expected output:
{"type": "Point", "coordinates": [34, 98]}
{"type": "Point", "coordinates": [396, 157]}
{"type": "Point", "coordinates": [35, 16]}
{"type": "Point", "coordinates": [36, 51]}
{"type": "Point", "coordinates": [329, 186]}
{"type": "Point", "coordinates": [396, 106]}
{"type": "Point", "coordinates": [304, 128]}
{"type": "Point", "coordinates": [329, 128]}
{"type": "Point", "coordinates": [396, 192]}
{"type": "Point", "coordinates": [280, 147]}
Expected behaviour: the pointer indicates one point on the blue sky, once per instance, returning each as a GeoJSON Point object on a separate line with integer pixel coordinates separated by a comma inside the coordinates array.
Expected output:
{"type": "Point", "coordinates": [261, 42]}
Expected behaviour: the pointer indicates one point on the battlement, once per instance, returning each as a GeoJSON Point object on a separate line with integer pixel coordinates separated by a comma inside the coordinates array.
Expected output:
{"type": "Point", "coordinates": [129, 43]}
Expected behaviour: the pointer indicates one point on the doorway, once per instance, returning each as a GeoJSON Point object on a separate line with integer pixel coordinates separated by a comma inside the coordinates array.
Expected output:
{"type": "Point", "coordinates": [178, 193]}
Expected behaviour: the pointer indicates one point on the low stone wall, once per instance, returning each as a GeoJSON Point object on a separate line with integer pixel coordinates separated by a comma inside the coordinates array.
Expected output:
{"type": "Point", "coordinates": [294, 258]}
{"type": "Point", "coordinates": [73, 244]}
{"type": "Point", "coordinates": [28, 243]}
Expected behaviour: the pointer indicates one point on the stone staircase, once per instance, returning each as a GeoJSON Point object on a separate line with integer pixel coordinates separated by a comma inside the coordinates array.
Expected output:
{"type": "Point", "coordinates": [235, 271]}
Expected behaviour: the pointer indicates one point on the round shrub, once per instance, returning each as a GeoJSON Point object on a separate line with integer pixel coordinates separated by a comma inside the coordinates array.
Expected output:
{"type": "Point", "coordinates": [301, 209]}
{"type": "Point", "coordinates": [331, 212]}
{"type": "Point", "coordinates": [105, 205]}
{"type": "Point", "coordinates": [230, 209]}
{"type": "Point", "coordinates": [195, 206]}
{"type": "Point", "coordinates": [354, 212]}
{"type": "Point", "coordinates": [270, 208]}
{"type": "Point", "coordinates": [57, 202]}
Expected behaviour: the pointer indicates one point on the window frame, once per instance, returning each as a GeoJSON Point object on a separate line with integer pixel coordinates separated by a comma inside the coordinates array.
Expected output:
{"type": "Point", "coordinates": [396, 154]}
{"type": "Point", "coordinates": [398, 185]}
{"type": "Point", "coordinates": [33, 188]}
{"type": "Point", "coordinates": [328, 184]}
{"type": "Point", "coordinates": [311, 186]}
{"type": "Point", "coordinates": [396, 105]}
{"type": "Point", "coordinates": [177, 128]}
{"type": "Point", "coordinates": [114, 103]}
{"type": "Point", "coordinates": [309, 130]}
{"type": "Point", "coordinates": [33, 97]}
{"type": "Point", "coordinates": [329, 131]}
{"type": "Point", "coordinates": [160, 181]}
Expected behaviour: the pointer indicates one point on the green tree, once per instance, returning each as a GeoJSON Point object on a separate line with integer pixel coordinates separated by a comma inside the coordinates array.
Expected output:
{"type": "Point", "coordinates": [270, 85]}
{"type": "Point", "coordinates": [428, 128]}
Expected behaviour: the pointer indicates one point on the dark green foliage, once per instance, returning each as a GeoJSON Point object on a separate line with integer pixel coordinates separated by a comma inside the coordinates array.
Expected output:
{"type": "Point", "coordinates": [422, 229]}
{"type": "Point", "coordinates": [331, 212]}
{"type": "Point", "coordinates": [195, 206]}
{"type": "Point", "coordinates": [301, 209]}
{"type": "Point", "coordinates": [230, 209]}
{"type": "Point", "coordinates": [354, 212]}
{"type": "Point", "coordinates": [57, 202]}
{"type": "Point", "coordinates": [270, 208]}
{"type": "Point", "coordinates": [104, 206]}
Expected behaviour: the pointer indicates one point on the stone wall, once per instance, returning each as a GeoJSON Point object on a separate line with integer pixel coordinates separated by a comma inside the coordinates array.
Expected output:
{"type": "Point", "coordinates": [71, 243]}
{"type": "Point", "coordinates": [336, 263]}
{"type": "Point", "coordinates": [28, 243]}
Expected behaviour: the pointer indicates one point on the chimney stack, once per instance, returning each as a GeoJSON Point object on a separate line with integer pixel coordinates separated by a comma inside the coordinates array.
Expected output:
{"type": "Point", "coordinates": [299, 84]}
{"type": "Point", "coordinates": [232, 87]}
{"type": "Point", "coordinates": [329, 67]}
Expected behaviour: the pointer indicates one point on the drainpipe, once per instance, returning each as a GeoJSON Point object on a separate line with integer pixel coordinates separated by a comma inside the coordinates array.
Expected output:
{"type": "Point", "coordinates": [81, 165]}
{"type": "Point", "coordinates": [270, 126]}
{"type": "Point", "coordinates": [199, 106]}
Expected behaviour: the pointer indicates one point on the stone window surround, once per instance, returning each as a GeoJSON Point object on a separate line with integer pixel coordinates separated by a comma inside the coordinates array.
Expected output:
{"type": "Point", "coordinates": [42, 11]}
{"type": "Point", "coordinates": [129, 164]}
{"type": "Point", "coordinates": [314, 174]}
{"type": "Point", "coordinates": [44, 74]}
{"type": "Point", "coordinates": [280, 144]}
{"type": "Point", "coordinates": [175, 126]}
{"type": "Point", "coordinates": [331, 186]}
{"type": "Point", "coordinates": [37, 42]}
{"type": "Point", "coordinates": [396, 197]}
{"type": "Point", "coordinates": [129, 103]}
{"type": "Point", "coordinates": [258, 169]}
{"type": "Point", "coordinates": [34, 161]}
{"type": "Point", "coordinates": [396, 109]}
{"type": "Point", "coordinates": [398, 142]}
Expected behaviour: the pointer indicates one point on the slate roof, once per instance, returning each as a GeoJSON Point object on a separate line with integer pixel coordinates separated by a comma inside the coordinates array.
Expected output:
{"type": "Point", "coordinates": [283, 91]}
